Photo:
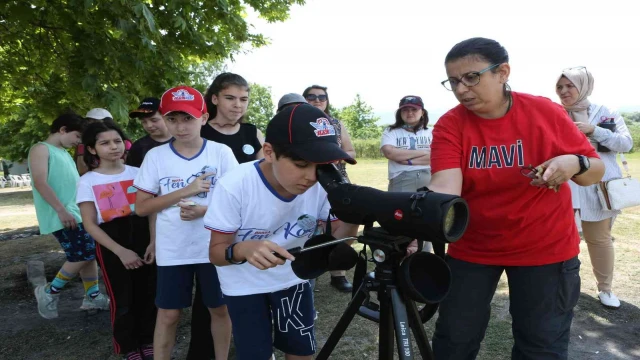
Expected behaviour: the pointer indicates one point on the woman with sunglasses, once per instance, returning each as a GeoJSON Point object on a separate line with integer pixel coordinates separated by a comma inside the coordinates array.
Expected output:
{"type": "Point", "coordinates": [317, 96]}
{"type": "Point", "coordinates": [517, 225]}
{"type": "Point", "coordinates": [609, 134]}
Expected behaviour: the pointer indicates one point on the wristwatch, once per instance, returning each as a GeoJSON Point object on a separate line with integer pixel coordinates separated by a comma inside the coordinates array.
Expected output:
{"type": "Point", "coordinates": [228, 255]}
{"type": "Point", "coordinates": [584, 164]}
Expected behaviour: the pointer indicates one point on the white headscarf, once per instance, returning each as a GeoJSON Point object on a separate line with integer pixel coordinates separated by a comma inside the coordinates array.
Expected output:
{"type": "Point", "coordinates": [583, 81]}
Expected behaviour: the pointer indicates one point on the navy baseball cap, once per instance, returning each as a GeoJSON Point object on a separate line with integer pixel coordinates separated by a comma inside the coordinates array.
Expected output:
{"type": "Point", "coordinates": [309, 132]}
{"type": "Point", "coordinates": [147, 106]}
{"type": "Point", "coordinates": [411, 101]}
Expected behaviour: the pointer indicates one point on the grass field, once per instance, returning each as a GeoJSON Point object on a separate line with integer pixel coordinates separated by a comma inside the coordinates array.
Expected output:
{"type": "Point", "coordinates": [597, 333]}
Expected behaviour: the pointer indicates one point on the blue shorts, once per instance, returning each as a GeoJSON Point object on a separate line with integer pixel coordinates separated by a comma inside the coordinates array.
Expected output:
{"type": "Point", "coordinates": [175, 286]}
{"type": "Point", "coordinates": [77, 244]}
{"type": "Point", "coordinates": [293, 324]}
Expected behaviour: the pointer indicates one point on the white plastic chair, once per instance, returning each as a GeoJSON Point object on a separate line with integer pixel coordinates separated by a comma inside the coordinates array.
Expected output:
{"type": "Point", "coordinates": [16, 181]}
{"type": "Point", "coordinates": [27, 179]}
{"type": "Point", "coordinates": [25, 182]}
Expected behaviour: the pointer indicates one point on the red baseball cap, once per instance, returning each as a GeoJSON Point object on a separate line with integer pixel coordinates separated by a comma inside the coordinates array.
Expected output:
{"type": "Point", "coordinates": [183, 99]}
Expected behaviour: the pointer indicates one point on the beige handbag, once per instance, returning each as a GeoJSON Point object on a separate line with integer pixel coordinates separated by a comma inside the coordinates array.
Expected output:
{"type": "Point", "coordinates": [619, 193]}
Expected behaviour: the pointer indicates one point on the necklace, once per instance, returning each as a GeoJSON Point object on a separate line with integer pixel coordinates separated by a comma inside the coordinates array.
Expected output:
{"type": "Point", "coordinates": [222, 125]}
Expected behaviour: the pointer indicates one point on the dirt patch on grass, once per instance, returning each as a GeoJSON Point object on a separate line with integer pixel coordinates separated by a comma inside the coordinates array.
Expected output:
{"type": "Point", "coordinates": [75, 334]}
{"type": "Point", "coordinates": [597, 333]}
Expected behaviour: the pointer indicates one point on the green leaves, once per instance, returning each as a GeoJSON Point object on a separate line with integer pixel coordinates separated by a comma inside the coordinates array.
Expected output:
{"type": "Point", "coordinates": [88, 4]}
{"type": "Point", "coordinates": [80, 54]}
{"type": "Point", "coordinates": [89, 84]}
{"type": "Point", "coordinates": [141, 9]}
{"type": "Point", "coordinates": [631, 116]}
{"type": "Point", "coordinates": [224, 5]}
{"type": "Point", "coordinates": [261, 108]}
{"type": "Point", "coordinates": [274, 11]}
{"type": "Point", "coordinates": [359, 120]}
{"type": "Point", "coordinates": [179, 22]}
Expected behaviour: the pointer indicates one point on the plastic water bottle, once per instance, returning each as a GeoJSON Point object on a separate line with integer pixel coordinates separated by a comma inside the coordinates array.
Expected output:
{"type": "Point", "coordinates": [209, 169]}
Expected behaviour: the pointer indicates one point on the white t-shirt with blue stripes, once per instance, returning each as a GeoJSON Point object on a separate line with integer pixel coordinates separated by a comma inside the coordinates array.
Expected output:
{"type": "Point", "coordinates": [247, 205]}
{"type": "Point", "coordinates": [164, 171]}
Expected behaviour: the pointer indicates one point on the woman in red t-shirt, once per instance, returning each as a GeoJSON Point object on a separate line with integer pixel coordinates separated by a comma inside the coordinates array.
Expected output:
{"type": "Point", "coordinates": [525, 226]}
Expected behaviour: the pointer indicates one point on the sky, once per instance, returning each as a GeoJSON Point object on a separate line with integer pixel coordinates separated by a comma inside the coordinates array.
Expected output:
{"type": "Point", "coordinates": [385, 50]}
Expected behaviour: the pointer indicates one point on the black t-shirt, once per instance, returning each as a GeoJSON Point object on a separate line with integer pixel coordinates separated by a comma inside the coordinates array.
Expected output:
{"type": "Point", "coordinates": [140, 148]}
{"type": "Point", "coordinates": [244, 144]}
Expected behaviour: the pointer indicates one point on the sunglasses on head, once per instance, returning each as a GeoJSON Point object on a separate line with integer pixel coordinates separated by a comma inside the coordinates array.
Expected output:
{"type": "Point", "coordinates": [314, 97]}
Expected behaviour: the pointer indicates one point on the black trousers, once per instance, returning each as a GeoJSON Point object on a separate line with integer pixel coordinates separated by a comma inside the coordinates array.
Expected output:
{"type": "Point", "coordinates": [541, 300]}
{"type": "Point", "coordinates": [201, 344]}
{"type": "Point", "coordinates": [132, 292]}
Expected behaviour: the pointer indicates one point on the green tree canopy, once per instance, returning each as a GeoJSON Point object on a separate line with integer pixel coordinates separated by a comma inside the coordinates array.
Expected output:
{"type": "Point", "coordinates": [80, 54]}
{"type": "Point", "coordinates": [632, 116]}
{"type": "Point", "coordinates": [261, 108]}
{"type": "Point", "coordinates": [360, 120]}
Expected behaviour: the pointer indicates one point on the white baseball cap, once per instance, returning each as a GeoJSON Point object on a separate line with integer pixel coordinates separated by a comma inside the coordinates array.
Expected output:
{"type": "Point", "coordinates": [99, 114]}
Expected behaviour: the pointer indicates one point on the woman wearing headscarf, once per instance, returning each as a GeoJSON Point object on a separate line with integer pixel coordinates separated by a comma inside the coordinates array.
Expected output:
{"type": "Point", "coordinates": [574, 86]}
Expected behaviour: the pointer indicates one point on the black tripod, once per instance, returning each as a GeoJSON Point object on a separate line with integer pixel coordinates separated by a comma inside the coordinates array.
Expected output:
{"type": "Point", "coordinates": [398, 313]}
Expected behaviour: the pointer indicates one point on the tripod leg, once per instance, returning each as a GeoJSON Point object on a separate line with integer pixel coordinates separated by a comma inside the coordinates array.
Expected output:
{"type": "Point", "coordinates": [385, 328]}
{"type": "Point", "coordinates": [403, 337]}
{"type": "Point", "coordinates": [418, 330]}
{"type": "Point", "coordinates": [343, 323]}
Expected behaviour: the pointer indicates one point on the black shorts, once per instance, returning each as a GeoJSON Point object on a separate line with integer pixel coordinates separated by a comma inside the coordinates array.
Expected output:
{"type": "Point", "coordinates": [293, 323]}
{"type": "Point", "coordinates": [175, 286]}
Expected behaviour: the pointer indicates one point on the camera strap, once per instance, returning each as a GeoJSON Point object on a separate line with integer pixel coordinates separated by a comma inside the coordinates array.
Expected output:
{"type": "Point", "coordinates": [361, 269]}
{"type": "Point", "coordinates": [438, 249]}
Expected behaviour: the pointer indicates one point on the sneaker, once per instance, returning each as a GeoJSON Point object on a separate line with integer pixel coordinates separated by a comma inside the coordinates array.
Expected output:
{"type": "Point", "coordinates": [47, 303]}
{"type": "Point", "coordinates": [134, 355]}
{"type": "Point", "coordinates": [609, 299]}
{"type": "Point", "coordinates": [341, 284]}
{"type": "Point", "coordinates": [100, 302]}
{"type": "Point", "coordinates": [147, 352]}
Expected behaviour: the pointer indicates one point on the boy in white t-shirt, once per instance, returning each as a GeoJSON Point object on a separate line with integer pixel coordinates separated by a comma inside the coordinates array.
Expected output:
{"type": "Point", "coordinates": [174, 181]}
{"type": "Point", "coordinates": [268, 206]}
